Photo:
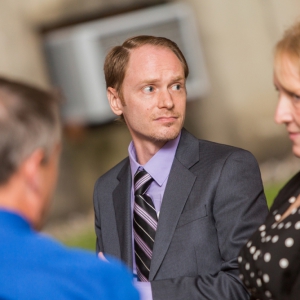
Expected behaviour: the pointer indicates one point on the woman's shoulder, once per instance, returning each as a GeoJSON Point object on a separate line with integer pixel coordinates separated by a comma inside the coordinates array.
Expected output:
{"type": "Point", "coordinates": [290, 189]}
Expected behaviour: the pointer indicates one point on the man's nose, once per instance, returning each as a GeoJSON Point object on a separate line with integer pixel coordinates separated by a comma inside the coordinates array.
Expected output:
{"type": "Point", "coordinates": [283, 113]}
{"type": "Point", "coordinates": [165, 99]}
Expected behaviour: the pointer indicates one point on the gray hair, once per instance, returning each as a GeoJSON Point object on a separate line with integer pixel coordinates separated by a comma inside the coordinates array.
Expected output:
{"type": "Point", "coordinates": [29, 120]}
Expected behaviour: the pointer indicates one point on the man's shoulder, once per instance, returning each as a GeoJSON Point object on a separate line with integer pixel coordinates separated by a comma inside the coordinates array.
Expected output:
{"type": "Point", "coordinates": [102, 276]}
{"type": "Point", "coordinates": [40, 245]}
{"type": "Point", "coordinates": [61, 272]}
{"type": "Point", "coordinates": [222, 149]}
{"type": "Point", "coordinates": [80, 260]}
{"type": "Point", "coordinates": [113, 172]}
{"type": "Point", "coordinates": [210, 149]}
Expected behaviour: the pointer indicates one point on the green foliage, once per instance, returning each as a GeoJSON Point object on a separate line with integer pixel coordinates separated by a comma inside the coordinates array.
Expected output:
{"type": "Point", "coordinates": [271, 191]}
{"type": "Point", "coordinates": [85, 240]}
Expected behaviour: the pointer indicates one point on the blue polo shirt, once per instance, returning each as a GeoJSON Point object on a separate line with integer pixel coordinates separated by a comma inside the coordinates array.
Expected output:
{"type": "Point", "coordinates": [33, 266]}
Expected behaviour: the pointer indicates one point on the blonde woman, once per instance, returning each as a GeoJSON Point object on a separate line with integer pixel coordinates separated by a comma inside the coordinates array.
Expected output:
{"type": "Point", "coordinates": [270, 261]}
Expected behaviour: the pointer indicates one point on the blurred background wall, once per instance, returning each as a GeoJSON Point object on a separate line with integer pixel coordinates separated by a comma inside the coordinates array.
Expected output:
{"type": "Point", "coordinates": [237, 39]}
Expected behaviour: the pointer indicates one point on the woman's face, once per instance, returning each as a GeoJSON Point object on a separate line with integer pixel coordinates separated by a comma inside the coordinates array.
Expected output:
{"type": "Point", "coordinates": [287, 83]}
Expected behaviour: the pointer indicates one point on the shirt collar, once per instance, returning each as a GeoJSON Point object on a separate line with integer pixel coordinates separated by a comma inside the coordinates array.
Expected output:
{"type": "Point", "coordinates": [13, 219]}
{"type": "Point", "coordinates": [160, 164]}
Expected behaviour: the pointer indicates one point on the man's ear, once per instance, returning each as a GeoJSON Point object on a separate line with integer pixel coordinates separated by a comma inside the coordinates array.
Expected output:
{"type": "Point", "coordinates": [31, 169]}
{"type": "Point", "coordinates": [114, 101]}
{"type": "Point", "coordinates": [31, 173]}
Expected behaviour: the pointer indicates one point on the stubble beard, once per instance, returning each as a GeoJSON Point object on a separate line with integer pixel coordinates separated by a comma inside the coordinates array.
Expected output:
{"type": "Point", "coordinates": [166, 135]}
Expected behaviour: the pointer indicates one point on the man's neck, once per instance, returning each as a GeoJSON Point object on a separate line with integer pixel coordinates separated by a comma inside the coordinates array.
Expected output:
{"type": "Point", "coordinates": [145, 150]}
{"type": "Point", "coordinates": [16, 197]}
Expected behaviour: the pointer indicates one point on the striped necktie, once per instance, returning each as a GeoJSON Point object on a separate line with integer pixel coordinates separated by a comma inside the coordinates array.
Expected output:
{"type": "Point", "coordinates": [144, 224]}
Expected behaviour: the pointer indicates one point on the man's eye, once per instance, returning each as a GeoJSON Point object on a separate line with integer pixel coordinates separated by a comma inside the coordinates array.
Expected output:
{"type": "Point", "coordinates": [176, 87]}
{"type": "Point", "coordinates": [149, 89]}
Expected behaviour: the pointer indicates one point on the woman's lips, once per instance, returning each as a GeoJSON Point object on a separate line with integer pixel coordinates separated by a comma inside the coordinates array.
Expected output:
{"type": "Point", "coordinates": [294, 135]}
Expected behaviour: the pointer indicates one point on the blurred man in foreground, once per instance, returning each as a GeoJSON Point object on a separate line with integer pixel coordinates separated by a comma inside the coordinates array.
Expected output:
{"type": "Point", "coordinates": [32, 265]}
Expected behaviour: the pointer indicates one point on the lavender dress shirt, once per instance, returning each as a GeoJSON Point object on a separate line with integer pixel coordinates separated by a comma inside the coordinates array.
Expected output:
{"type": "Point", "coordinates": [158, 167]}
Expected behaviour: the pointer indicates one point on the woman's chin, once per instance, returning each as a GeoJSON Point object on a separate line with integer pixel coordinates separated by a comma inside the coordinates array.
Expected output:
{"type": "Point", "coordinates": [296, 150]}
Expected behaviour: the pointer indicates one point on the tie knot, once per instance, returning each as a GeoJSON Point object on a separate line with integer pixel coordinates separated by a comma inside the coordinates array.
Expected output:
{"type": "Point", "coordinates": [142, 181]}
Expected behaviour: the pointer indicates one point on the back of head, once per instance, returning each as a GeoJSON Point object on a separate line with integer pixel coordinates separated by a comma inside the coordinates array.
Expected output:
{"type": "Point", "coordinates": [117, 59]}
{"type": "Point", "coordinates": [289, 45]}
{"type": "Point", "coordinates": [29, 119]}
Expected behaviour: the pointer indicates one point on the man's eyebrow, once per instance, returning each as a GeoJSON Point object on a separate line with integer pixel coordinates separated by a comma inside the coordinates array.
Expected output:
{"type": "Point", "coordinates": [178, 78]}
{"type": "Point", "coordinates": [149, 80]}
{"type": "Point", "coordinates": [154, 80]}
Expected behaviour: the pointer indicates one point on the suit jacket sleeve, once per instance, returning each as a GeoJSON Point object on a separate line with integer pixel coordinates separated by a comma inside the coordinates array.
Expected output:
{"type": "Point", "coordinates": [99, 244]}
{"type": "Point", "coordinates": [238, 208]}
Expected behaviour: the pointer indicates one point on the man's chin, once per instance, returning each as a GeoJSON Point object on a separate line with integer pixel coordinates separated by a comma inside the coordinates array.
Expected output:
{"type": "Point", "coordinates": [165, 136]}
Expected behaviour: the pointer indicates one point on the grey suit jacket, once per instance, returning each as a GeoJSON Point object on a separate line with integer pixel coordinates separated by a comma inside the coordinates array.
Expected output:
{"type": "Point", "coordinates": [213, 202]}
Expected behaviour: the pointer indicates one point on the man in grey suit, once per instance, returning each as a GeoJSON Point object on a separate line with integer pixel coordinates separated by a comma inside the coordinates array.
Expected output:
{"type": "Point", "coordinates": [178, 209]}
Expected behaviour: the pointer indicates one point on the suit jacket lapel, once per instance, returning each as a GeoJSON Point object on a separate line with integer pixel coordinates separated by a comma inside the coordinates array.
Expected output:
{"type": "Point", "coordinates": [180, 183]}
{"type": "Point", "coordinates": [122, 205]}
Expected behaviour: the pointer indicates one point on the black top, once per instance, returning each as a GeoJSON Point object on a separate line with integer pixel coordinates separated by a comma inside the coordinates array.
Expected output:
{"type": "Point", "coordinates": [270, 261]}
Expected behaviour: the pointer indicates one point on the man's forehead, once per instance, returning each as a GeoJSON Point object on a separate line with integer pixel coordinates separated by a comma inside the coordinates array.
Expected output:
{"type": "Point", "coordinates": [147, 49]}
{"type": "Point", "coordinates": [152, 57]}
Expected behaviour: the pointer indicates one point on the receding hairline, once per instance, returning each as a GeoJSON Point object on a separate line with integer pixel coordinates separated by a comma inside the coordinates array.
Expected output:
{"type": "Point", "coordinates": [149, 45]}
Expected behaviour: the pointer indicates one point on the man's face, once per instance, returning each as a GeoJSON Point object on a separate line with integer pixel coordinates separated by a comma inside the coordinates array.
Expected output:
{"type": "Point", "coordinates": [154, 95]}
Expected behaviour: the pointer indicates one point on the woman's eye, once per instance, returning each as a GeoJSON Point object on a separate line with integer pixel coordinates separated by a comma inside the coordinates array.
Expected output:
{"type": "Point", "coordinates": [296, 97]}
{"type": "Point", "coordinates": [149, 89]}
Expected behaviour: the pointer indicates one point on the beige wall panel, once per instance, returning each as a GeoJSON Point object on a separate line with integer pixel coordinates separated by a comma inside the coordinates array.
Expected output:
{"type": "Point", "coordinates": [20, 55]}
{"type": "Point", "coordinates": [238, 39]}
{"type": "Point", "coordinates": [237, 36]}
